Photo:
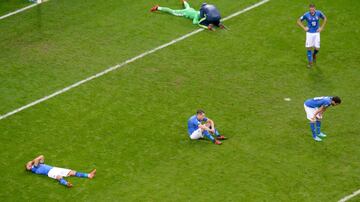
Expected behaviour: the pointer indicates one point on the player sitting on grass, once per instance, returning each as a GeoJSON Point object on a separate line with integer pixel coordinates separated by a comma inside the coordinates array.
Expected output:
{"type": "Point", "coordinates": [37, 166]}
{"type": "Point", "coordinates": [207, 17]}
{"type": "Point", "coordinates": [197, 130]}
{"type": "Point", "coordinates": [314, 109]}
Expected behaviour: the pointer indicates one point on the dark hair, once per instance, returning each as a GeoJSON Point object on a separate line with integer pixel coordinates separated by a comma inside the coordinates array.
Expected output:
{"type": "Point", "coordinates": [312, 6]}
{"type": "Point", "coordinates": [200, 111]}
{"type": "Point", "coordinates": [336, 99]}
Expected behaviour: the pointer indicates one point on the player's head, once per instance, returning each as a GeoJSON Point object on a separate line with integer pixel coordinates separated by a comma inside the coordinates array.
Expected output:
{"type": "Point", "coordinates": [312, 8]}
{"type": "Point", "coordinates": [203, 4]}
{"type": "Point", "coordinates": [200, 114]}
{"type": "Point", "coordinates": [216, 23]}
{"type": "Point", "coordinates": [335, 100]}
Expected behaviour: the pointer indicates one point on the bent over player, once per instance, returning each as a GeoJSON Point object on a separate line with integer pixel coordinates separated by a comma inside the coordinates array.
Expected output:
{"type": "Point", "coordinates": [37, 166]}
{"type": "Point", "coordinates": [200, 126]}
{"type": "Point", "coordinates": [210, 17]}
{"type": "Point", "coordinates": [315, 109]}
{"type": "Point", "coordinates": [312, 30]}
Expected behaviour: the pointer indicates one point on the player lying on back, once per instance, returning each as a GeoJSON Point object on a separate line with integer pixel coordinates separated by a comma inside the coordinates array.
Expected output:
{"type": "Point", "coordinates": [207, 17]}
{"type": "Point", "coordinates": [200, 126]}
{"type": "Point", "coordinates": [315, 109]}
{"type": "Point", "coordinates": [37, 166]}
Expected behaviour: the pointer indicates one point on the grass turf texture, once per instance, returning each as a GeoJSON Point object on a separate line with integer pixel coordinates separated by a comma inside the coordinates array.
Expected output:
{"type": "Point", "coordinates": [131, 124]}
{"type": "Point", "coordinates": [8, 6]}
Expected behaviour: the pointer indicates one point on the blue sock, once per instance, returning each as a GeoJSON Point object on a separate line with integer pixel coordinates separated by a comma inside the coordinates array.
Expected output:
{"type": "Point", "coordinates": [63, 182]}
{"type": "Point", "coordinates": [217, 133]}
{"type": "Point", "coordinates": [309, 55]}
{"type": "Point", "coordinates": [318, 127]}
{"type": "Point", "coordinates": [209, 136]}
{"type": "Point", "coordinates": [78, 174]}
{"type": "Point", "coordinates": [316, 51]}
{"type": "Point", "coordinates": [312, 126]}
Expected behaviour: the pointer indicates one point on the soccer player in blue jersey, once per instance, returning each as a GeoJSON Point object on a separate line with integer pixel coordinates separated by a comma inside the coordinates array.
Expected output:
{"type": "Point", "coordinates": [200, 126]}
{"type": "Point", "coordinates": [314, 109]}
{"type": "Point", "coordinates": [210, 17]}
{"type": "Point", "coordinates": [312, 30]}
{"type": "Point", "coordinates": [37, 166]}
{"type": "Point", "coordinates": [207, 17]}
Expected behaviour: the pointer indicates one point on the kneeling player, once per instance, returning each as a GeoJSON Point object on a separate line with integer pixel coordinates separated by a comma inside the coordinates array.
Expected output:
{"type": "Point", "coordinates": [210, 17]}
{"type": "Point", "coordinates": [197, 130]}
{"type": "Point", "coordinates": [314, 109]}
{"type": "Point", "coordinates": [37, 166]}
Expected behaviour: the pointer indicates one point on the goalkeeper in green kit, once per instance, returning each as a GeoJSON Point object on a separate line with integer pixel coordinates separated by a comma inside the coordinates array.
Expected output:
{"type": "Point", "coordinates": [190, 13]}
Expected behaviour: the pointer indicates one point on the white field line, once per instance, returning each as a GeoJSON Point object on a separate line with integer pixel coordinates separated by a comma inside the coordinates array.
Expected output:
{"type": "Point", "coordinates": [110, 69]}
{"type": "Point", "coordinates": [350, 196]}
{"type": "Point", "coordinates": [21, 10]}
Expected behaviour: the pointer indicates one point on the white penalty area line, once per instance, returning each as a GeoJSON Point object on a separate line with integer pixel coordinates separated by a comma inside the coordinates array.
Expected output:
{"type": "Point", "coordinates": [110, 69]}
{"type": "Point", "coordinates": [350, 196]}
{"type": "Point", "coordinates": [22, 9]}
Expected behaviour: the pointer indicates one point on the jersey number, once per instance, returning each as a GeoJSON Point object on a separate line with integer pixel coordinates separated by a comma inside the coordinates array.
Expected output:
{"type": "Point", "coordinates": [318, 98]}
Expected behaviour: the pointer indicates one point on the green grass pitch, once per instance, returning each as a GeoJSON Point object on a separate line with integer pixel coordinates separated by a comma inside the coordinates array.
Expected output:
{"type": "Point", "coordinates": [131, 123]}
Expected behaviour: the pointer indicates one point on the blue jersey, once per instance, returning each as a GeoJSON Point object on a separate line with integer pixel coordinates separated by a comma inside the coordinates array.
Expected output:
{"type": "Point", "coordinates": [193, 124]}
{"type": "Point", "coordinates": [210, 12]}
{"type": "Point", "coordinates": [312, 20]}
{"type": "Point", "coordinates": [41, 169]}
{"type": "Point", "coordinates": [318, 102]}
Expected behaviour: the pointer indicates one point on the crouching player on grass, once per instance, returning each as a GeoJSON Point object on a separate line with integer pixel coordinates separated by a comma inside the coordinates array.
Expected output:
{"type": "Point", "coordinates": [37, 166]}
{"type": "Point", "coordinates": [200, 126]}
{"type": "Point", "coordinates": [315, 109]}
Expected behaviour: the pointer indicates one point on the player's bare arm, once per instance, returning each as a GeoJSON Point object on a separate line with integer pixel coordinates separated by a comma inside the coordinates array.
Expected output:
{"type": "Point", "coordinates": [212, 124]}
{"type": "Point", "coordinates": [204, 127]}
{"type": "Point", "coordinates": [39, 159]}
{"type": "Point", "coordinates": [323, 24]}
{"type": "Point", "coordinates": [302, 25]}
{"type": "Point", "coordinates": [319, 111]}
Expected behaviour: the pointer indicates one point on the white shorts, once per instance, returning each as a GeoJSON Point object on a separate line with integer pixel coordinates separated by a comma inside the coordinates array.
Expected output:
{"type": "Point", "coordinates": [310, 112]}
{"type": "Point", "coordinates": [312, 40]}
{"type": "Point", "coordinates": [197, 134]}
{"type": "Point", "coordinates": [55, 171]}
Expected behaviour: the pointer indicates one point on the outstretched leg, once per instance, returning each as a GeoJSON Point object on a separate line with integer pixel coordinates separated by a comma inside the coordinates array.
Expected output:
{"type": "Point", "coordinates": [83, 175]}
{"type": "Point", "coordinates": [171, 11]}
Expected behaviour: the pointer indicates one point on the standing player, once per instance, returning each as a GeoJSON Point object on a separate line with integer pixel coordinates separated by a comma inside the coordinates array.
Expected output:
{"type": "Point", "coordinates": [37, 166]}
{"type": "Point", "coordinates": [314, 109]}
{"type": "Point", "coordinates": [200, 126]}
{"type": "Point", "coordinates": [313, 30]}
